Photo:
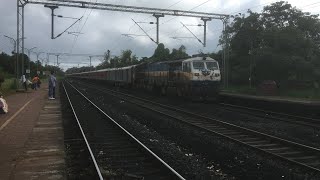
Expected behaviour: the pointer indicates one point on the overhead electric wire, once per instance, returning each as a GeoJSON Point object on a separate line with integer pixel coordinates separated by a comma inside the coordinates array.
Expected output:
{"type": "Point", "coordinates": [152, 16]}
{"type": "Point", "coordinates": [82, 28]}
{"type": "Point", "coordinates": [144, 32]}
{"type": "Point", "coordinates": [182, 13]}
{"type": "Point", "coordinates": [74, 39]}
{"type": "Point", "coordinates": [117, 40]}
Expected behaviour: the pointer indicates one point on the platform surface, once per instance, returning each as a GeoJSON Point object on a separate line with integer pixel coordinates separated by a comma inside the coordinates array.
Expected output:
{"type": "Point", "coordinates": [31, 137]}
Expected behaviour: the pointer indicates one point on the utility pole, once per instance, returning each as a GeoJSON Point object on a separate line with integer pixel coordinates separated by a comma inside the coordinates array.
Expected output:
{"type": "Point", "coordinates": [57, 60]}
{"type": "Point", "coordinates": [157, 17]}
{"type": "Point", "coordinates": [90, 61]}
{"type": "Point", "coordinates": [14, 43]}
{"type": "Point", "coordinates": [38, 54]}
{"type": "Point", "coordinates": [14, 53]}
{"type": "Point", "coordinates": [47, 59]}
{"type": "Point", "coordinates": [52, 18]}
{"type": "Point", "coordinates": [225, 52]}
{"type": "Point", "coordinates": [29, 51]}
{"type": "Point", "coordinates": [205, 30]}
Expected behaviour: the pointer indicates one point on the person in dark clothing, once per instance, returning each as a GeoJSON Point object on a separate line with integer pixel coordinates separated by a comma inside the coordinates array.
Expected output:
{"type": "Point", "coordinates": [1, 80]}
{"type": "Point", "coordinates": [52, 85]}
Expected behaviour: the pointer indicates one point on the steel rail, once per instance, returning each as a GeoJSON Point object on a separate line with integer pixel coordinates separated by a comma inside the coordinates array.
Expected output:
{"type": "Point", "coordinates": [84, 136]}
{"type": "Point", "coordinates": [208, 119]}
{"type": "Point", "coordinates": [271, 112]}
{"type": "Point", "coordinates": [306, 121]}
{"type": "Point", "coordinates": [129, 134]}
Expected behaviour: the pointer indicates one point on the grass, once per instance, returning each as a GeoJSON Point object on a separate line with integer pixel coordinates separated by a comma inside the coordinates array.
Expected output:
{"type": "Point", "coordinates": [8, 86]}
{"type": "Point", "coordinates": [304, 94]}
{"type": "Point", "coordinates": [241, 90]}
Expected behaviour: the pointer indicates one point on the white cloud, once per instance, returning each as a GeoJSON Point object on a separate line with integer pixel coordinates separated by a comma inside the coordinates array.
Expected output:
{"type": "Point", "coordinates": [103, 29]}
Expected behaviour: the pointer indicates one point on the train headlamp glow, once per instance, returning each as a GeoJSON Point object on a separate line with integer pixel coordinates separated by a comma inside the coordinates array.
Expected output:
{"type": "Point", "coordinates": [196, 74]}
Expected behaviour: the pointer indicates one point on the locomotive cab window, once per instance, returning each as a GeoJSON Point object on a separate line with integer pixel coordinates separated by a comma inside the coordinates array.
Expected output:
{"type": "Point", "coordinates": [198, 65]}
{"type": "Point", "coordinates": [212, 65]}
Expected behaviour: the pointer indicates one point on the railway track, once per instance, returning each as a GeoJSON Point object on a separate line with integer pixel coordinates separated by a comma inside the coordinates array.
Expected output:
{"type": "Point", "coordinates": [292, 152]}
{"type": "Point", "coordinates": [300, 120]}
{"type": "Point", "coordinates": [270, 115]}
{"type": "Point", "coordinates": [114, 152]}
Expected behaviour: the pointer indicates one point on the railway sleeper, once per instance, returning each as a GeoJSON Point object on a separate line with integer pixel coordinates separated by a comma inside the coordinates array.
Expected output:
{"type": "Point", "coordinates": [247, 138]}
{"type": "Point", "coordinates": [123, 155]}
{"type": "Point", "coordinates": [230, 133]}
{"type": "Point", "coordinates": [130, 165]}
{"type": "Point", "coordinates": [290, 153]}
{"type": "Point", "coordinates": [275, 150]}
{"type": "Point", "coordinates": [314, 164]}
{"type": "Point", "coordinates": [266, 145]}
{"type": "Point", "coordinates": [111, 144]}
{"type": "Point", "coordinates": [240, 137]}
{"type": "Point", "coordinates": [121, 150]}
{"type": "Point", "coordinates": [305, 158]}
{"type": "Point", "coordinates": [257, 142]}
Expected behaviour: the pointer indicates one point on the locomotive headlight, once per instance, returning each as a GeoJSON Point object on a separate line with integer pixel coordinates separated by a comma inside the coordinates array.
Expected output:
{"type": "Point", "coordinates": [196, 74]}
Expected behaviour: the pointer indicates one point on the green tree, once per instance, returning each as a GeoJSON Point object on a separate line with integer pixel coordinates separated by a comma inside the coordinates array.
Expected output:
{"type": "Point", "coordinates": [179, 54]}
{"type": "Point", "coordinates": [281, 43]}
{"type": "Point", "coordinates": [161, 53]}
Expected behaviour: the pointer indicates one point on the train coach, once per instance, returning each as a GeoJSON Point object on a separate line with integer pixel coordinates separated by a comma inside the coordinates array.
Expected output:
{"type": "Point", "coordinates": [197, 76]}
{"type": "Point", "coordinates": [116, 76]}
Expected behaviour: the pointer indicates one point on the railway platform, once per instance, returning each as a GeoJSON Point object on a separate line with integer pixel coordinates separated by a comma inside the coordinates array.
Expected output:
{"type": "Point", "coordinates": [31, 137]}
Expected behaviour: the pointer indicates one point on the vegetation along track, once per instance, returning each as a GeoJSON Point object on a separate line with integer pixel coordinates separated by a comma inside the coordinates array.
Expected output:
{"type": "Point", "coordinates": [115, 152]}
{"type": "Point", "coordinates": [292, 152]}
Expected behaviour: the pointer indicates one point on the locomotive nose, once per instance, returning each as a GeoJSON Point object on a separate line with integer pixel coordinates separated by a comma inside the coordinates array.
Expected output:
{"type": "Point", "coordinates": [206, 72]}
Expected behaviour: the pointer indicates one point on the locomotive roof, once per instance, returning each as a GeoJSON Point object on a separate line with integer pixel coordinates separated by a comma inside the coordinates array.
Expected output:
{"type": "Point", "coordinates": [190, 59]}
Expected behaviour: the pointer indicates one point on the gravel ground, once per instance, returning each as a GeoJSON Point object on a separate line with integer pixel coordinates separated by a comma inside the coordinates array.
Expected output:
{"type": "Point", "coordinates": [78, 164]}
{"type": "Point", "coordinates": [298, 133]}
{"type": "Point", "coordinates": [215, 153]}
{"type": "Point", "coordinates": [186, 162]}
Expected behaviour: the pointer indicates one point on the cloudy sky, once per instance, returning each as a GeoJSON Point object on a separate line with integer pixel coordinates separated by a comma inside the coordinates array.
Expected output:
{"type": "Point", "coordinates": [101, 30]}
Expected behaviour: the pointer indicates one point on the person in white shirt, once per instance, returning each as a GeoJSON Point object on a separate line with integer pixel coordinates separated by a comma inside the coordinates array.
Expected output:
{"type": "Point", "coordinates": [3, 105]}
{"type": "Point", "coordinates": [24, 81]}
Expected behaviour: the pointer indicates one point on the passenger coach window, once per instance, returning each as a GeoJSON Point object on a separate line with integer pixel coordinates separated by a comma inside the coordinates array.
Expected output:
{"type": "Point", "coordinates": [184, 67]}
{"type": "Point", "coordinates": [188, 67]}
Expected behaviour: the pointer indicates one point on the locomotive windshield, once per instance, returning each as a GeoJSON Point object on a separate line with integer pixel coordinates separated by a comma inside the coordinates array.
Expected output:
{"type": "Point", "coordinates": [198, 65]}
{"type": "Point", "coordinates": [212, 65]}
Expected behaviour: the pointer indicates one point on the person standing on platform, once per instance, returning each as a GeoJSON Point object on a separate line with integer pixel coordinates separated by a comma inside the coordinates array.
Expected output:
{"type": "Point", "coordinates": [1, 80]}
{"type": "Point", "coordinates": [24, 81]}
{"type": "Point", "coordinates": [35, 82]}
{"type": "Point", "coordinates": [52, 85]}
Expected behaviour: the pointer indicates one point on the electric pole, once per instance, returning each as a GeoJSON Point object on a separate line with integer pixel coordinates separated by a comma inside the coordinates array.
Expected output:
{"type": "Point", "coordinates": [157, 17]}
{"type": "Point", "coordinates": [205, 30]}
{"type": "Point", "coordinates": [29, 51]}
{"type": "Point", "coordinates": [57, 60]}
{"type": "Point", "coordinates": [38, 54]}
{"type": "Point", "coordinates": [52, 18]}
